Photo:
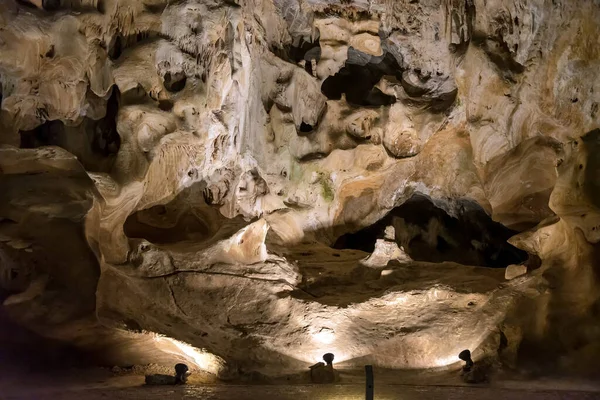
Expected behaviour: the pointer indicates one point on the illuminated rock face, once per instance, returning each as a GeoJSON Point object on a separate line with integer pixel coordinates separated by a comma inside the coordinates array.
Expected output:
{"type": "Point", "coordinates": [219, 171]}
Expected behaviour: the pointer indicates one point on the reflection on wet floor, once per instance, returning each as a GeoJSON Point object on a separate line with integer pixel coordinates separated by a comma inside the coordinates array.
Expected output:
{"type": "Point", "coordinates": [309, 392]}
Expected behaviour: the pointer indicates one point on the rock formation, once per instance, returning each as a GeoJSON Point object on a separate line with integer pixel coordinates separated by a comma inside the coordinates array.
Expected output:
{"type": "Point", "coordinates": [204, 180]}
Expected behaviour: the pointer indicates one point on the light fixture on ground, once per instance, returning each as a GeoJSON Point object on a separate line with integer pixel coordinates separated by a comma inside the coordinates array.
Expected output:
{"type": "Point", "coordinates": [465, 355]}
{"type": "Point", "coordinates": [324, 373]}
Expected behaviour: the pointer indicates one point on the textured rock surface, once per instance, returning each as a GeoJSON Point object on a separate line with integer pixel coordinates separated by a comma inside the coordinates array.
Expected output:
{"type": "Point", "coordinates": [513, 271]}
{"type": "Point", "coordinates": [219, 171]}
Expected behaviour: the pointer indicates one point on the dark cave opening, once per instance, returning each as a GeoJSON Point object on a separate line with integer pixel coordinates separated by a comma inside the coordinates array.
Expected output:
{"type": "Point", "coordinates": [304, 50]}
{"type": "Point", "coordinates": [157, 226]}
{"type": "Point", "coordinates": [357, 80]}
{"type": "Point", "coordinates": [186, 218]}
{"type": "Point", "coordinates": [93, 142]}
{"type": "Point", "coordinates": [115, 48]}
{"type": "Point", "coordinates": [428, 233]}
{"type": "Point", "coordinates": [305, 128]}
{"type": "Point", "coordinates": [47, 134]}
{"type": "Point", "coordinates": [174, 82]}
{"type": "Point", "coordinates": [106, 138]}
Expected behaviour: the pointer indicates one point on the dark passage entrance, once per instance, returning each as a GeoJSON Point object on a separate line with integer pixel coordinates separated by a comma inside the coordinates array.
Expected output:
{"type": "Point", "coordinates": [94, 142]}
{"type": "Point", "coordinates": [429, 233]}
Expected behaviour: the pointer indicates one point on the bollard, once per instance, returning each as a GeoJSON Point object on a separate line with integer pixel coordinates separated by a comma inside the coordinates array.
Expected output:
{"type": "Point", "coordinates": [369, 382]}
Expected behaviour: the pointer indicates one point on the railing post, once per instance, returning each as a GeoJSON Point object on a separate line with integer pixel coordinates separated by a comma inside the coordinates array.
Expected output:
{"type": "Point", "coordinates": [369, 382]}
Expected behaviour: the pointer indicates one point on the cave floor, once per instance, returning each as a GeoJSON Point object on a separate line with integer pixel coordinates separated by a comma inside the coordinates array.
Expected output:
{"type": "Point", "coordinates": [298, 392]}
{"type": "Point", "coordinates": [96, 384]}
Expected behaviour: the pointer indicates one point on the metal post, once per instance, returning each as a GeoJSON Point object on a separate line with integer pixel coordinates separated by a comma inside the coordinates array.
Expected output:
{"type": "Point", "coordinates": [369, 382]}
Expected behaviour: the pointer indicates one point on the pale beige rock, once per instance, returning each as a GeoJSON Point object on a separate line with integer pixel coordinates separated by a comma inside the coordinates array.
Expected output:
{"type": "Point", "coordinates": [513, 271]}
{"type": "Point", "coordinates": [337, 34]}
{"type": "Point", "coordinates": [385, 251]}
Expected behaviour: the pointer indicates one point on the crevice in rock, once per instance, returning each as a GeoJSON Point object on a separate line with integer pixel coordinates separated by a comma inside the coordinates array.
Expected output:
{"type": "Point", "coordinates": [165, 104]}
{"type": "Point", "coordinates": [307, 51]}
{"type": "Point", "coordinates": [50, 5]}
{"type": "Point", "coordinates": [592, 165]}
{"type": "Point", "coordinates": [46, 5]}
{"type": "Point", "coordinates": [357, 80]}
{"type": "Point", "coordinates": [174, 298]}
{"type": "Point", "coordinates": [119, 43]}
{"type": "Point", "coordinates": [14, 278]}
{"type": "Point", "coordinates": [252, 278]}
{"type": "Point", "coordinates": [95, 143]}
{"type": "Point", "coordinates": [341, 9]}
{"type": "Point", "coordinates": [305, 128]}
{"type": "Point", "coordinates": [470, 14]}
{"type": "Point", "coordinates": [26, 3]}
{"type": "Point", "coordinates": [312, 157]}
{"type": "Point", "coordinates": [499, 54]}
{"type": "Point", "coordinates": [157, 8]}
{"type": "Point", "coordinates": [106, 138]}
{"type": "Point", "coordinates": [304, 50]}
{"type": "Point", "coordinates": [429, 233]}
{"type": "Point", "coordinates": [115, 48]}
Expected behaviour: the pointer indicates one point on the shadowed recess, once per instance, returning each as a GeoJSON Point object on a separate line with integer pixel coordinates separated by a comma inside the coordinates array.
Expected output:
{"type": "Point", "coordinates": [429, 233]}
{"type": "Point", "coordinates": [186, 218]}
{"type": "Point", "coordinates": [357, 81]}
{"type": "Point", "coordinates": [95, 143]}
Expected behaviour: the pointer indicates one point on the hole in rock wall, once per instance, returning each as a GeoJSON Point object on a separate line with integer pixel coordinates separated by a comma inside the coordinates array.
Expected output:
{"type": "Point", "coordinates": [50, 5]}
{"type": "Point", "coordinates": [47, 134]}
{"type": "Point", "coordinates": [120, 42]}
{"type": "Point", "coordinates": [115, 48]}
{"type": "Point", "coordinates": [305, 50]}
{"type": "Point", "coordinates": [305, 128]}
{"type": "Point", "coordinates": [93, 142]}
{"type": "Point", "coordinates": [165, 104]}
{"type": "Point", "coordinates": [174, 82]}
{"type": "Point", "coordinates": [357, 81]}
{"type": "Point", "coordinates": [185, 218]}
{"type": "Point", "coordinates": [106, 139]}
{"type": "Point", "coordinates": [500, 54]}
{"type": "Point", "coordinates": [14, 278]}
{"type": "Point", "coordinates": [313, 156]}
{"type": "Point", "coordinates": [25, 3]}
{"type": "Point", "coordinates": [592, 167]}
{"type": "Point", "coordinates": [162, 226]}
{"type": "Point", "coordinates": [429, 233]}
